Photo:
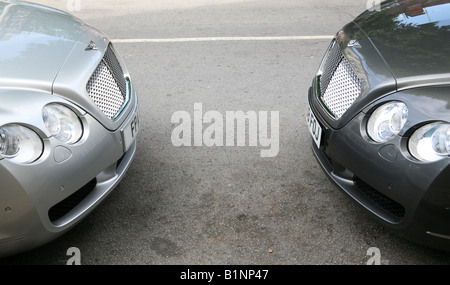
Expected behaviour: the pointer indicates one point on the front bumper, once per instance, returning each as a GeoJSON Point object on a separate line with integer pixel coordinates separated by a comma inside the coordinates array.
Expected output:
{"type": "Point", "coordinates": [407, 196]}
{"type": "Point", "coordinates": [41, 201]}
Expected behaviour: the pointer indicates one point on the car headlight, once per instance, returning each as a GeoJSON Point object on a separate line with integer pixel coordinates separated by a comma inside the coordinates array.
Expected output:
{"type": "Point", "coordinates": [387, 121]}
{"type": "Point", "coordinates": [62, 123]}
{"type": "Point", "coordinates": [430, 142]}
{"type": "Point", "coordinates": [20, 144]}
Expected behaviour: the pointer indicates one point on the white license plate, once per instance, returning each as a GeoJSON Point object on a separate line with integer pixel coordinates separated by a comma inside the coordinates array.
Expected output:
{"type": "Point", "coordinates": [130, 131]}
{"type": "Point", "coordinates": [314, 127]}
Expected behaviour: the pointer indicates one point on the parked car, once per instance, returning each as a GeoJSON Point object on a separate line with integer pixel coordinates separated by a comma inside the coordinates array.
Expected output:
{"type": "Point", "coordinates": [68, 123]}
{"type": "Point", "coordinates": [379, 116]}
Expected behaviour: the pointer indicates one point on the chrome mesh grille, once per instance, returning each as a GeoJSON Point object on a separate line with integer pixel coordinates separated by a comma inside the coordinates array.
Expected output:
{"type": "Point", "coordinates": [114, 65]}
{"type": "Point", "coordinates": [333, 57]}
{"type": "Point", "coordinates": [339, 84]}
{"type": "Point", "coordinates": [107, 86]}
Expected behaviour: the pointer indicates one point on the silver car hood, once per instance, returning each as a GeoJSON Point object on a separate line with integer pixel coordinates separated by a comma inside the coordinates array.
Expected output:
{"type": "Point", "coordinates": [34, 44]}
{"type": "Point", "coordinates": [44, 49]}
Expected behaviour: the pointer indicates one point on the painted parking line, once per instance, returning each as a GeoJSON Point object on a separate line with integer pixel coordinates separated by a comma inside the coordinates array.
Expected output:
{"type": "Point", "coordinates": [213, 39]}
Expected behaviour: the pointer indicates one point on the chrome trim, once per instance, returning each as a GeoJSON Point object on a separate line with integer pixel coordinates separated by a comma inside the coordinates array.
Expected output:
{"type": "Point", "coordinates": [438, 235]}
{"type": "Point", "coordinates": [126, 98]}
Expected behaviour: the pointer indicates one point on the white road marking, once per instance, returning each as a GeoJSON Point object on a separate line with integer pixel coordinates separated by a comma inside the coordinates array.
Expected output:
{"type": "Point", "coordinates": [213, 39]}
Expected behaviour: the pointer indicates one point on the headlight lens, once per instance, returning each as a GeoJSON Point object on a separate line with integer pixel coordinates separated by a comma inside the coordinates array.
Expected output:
{"type": "Point", "coordinates": [387, 121]}
{"type": "Point", "coordinates": [20, 144]}
{"type": "Point", "coordinates": [431, 142]}
{"type": "Point", "coordinates": [62, 123]}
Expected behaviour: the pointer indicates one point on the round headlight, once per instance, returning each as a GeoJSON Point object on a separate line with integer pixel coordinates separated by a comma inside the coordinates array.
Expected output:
{"type": "Point", "coordinates": [431, 142]}
{"type": "Point", "coordinates": [62, 123]}
{"type": "Point", "coordinates": [20, 144]}
{"type": "Point", "coordinates": [387, 121]}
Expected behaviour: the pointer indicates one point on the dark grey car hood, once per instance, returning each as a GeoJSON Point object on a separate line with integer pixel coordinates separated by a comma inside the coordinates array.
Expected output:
{"type": "Point", "coordinates": [396, 46]}
{"type": "Point", "coordinates": [413, 37]}
{"type": "Point", "coordinates": [34, 44]}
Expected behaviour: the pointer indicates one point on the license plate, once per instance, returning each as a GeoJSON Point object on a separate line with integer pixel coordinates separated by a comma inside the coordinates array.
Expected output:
{"type": "Point", "coordinates": [130, 131]}
{"type": "Point", "coordinates": [314, 127]}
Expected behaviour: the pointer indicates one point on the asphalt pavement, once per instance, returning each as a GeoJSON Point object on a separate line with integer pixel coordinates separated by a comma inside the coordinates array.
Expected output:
{"type": "Point", "coordinates": [225, 204]}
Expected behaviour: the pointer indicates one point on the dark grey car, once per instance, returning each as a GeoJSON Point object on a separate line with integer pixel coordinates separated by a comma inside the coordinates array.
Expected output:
{"type": "Point", "coordinates": [380, 116]}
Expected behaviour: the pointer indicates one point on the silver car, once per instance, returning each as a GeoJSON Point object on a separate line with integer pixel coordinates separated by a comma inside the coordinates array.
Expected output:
{"type": "Point", "coordinates": [68, 123]}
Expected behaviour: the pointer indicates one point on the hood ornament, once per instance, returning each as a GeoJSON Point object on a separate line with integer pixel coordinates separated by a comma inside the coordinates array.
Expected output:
{"type": "Point", "coordinates": [92, 46]}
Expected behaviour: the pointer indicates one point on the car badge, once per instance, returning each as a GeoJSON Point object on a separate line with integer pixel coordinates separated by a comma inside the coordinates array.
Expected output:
{"type": "Point", "coordinates": [354, 43]}
{"type": "Point", "coordinates": [92, 46]}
